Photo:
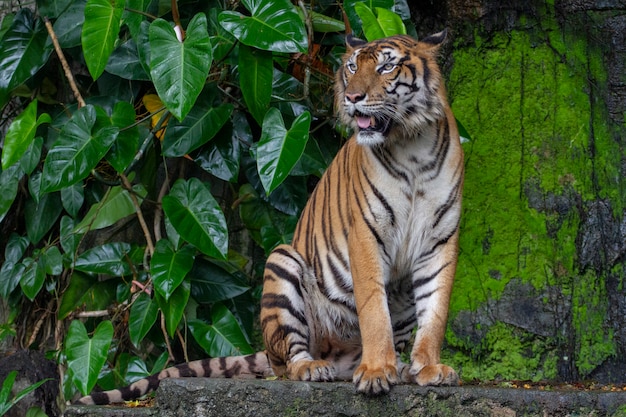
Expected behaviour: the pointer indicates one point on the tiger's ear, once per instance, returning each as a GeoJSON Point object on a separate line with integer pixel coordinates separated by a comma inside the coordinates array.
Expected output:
{"type": "Point", "coordinates": [434, 41]}
{"type": "Point", "coordinates": [352, 42]}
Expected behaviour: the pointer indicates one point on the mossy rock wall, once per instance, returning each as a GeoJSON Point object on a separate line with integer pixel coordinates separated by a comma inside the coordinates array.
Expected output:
{"type": "Point", "coordinates": [539, 292]}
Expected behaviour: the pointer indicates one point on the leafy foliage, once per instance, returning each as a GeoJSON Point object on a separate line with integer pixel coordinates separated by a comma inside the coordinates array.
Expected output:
{"type": "Point", "coordinates": [130, 224]}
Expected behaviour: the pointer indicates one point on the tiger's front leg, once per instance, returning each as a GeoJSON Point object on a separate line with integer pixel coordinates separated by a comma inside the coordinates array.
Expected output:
{"type": "Point", "coordinates": [432, 289]}
{"type": "Point", "coordinates": [378, 369]}
{"type": "Point", "coordinates": [285, 319]}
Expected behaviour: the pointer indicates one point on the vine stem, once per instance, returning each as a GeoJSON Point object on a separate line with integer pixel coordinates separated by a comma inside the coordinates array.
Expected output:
{"type": "Point", "coordinates": [64, 64]}
{"type": "Point", "coordinates": [142, 221]}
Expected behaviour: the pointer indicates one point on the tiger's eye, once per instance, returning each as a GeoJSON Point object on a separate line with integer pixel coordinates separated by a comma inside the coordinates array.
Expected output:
{"type": "Point", "coordinates": [351, 66]}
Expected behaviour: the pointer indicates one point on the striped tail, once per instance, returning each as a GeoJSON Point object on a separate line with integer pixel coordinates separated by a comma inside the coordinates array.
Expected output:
{"type": "Point", "coordinates": [255, 365]}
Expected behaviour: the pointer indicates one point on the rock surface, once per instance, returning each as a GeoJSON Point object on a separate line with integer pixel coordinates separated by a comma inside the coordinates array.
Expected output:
{"type": "Point", "coordinates": [201, 397]}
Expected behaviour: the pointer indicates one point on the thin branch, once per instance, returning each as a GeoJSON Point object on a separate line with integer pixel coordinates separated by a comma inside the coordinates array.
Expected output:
{"type": "Point", "coordinates": [142, 221]}
{"type": "Point", "coordinates": [166, 337]}
{"type": "Point", "coordinates": [92, 314]}
{"type": "Point", "coordinates": [64, 64]}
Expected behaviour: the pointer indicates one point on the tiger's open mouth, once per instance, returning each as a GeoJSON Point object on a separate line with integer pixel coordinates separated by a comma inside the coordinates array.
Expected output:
{"type": "Point", "coordinates": [372, 124]}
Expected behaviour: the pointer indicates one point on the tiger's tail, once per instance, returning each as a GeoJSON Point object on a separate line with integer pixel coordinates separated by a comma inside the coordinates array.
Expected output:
{"type": "Point", "coordinates": [256, 365]}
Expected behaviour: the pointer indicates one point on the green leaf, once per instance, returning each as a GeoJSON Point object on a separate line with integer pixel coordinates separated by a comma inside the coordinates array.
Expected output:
{"type": "Point", "coordinates": [312, 161]}
{"type": "Point", "coordinates": [10, 277]}
{"type": "Point", "coordinates": [52, 8]}
{"type": "Point", "coordinates": [255, 78]}
{"type": "Point", "coordinates": [353, 17]}
{"type": "Point", "coordinates": [143, 315]}
{"type": "Point", "coordinates": [110, 258]}
{"type": "Point", "coordinates": [179, 69]}
{"type": "Point", "coordinates": [32, 156]}
{"type": "Point", "coordinates": [201, 125]}
{"type": "Point", "coordinates": [274, 26]}
{"type": "Point", "coordinates": [21, 133]}
{"type": "Point", "coordinates": [87, 293]}
{"type": "Point", "coordinates": [33, 277]}
{"type": "Point", "coordinates": [126, 144]}
{"type": "Point", "coordinates": [115, 205]}
{"type": "Point", "coordinates": [69, 239]}
{"type": "Point", "coordinates": [72, 198]}
{"type": "Point", "coordinates": [9, 181]}
{"type": "Point", "coordinates": [77, 150]}
{"type": "Point", "coordinates": [222, 158]}
{"type": "Point", "coordinates": [41, 216]}
{"type": "Point", "coordinates": [197, 217]}
{"type": "Point", "coordinates": [5, 392]}
{"type": "Point", "coordinates": [86, 356]}
{"type": "Point", "coordinates": [15, 247]}
{"type": "Point", "coordinates": [384, 23]}
{"type": "Point", "coordinates": [69, 25]}
{"type": "Point", "coordinates": [22, 52]}
{"type": "Point", "coordinates": [222, 338]}
{"type": "Point", "coordinates": [169, 267]}
{"type": "Point", "coordinates": [323, 23]}
{"type": "Point", "coordinates": [211, 283]}
{"type": "Point", "coordinates": [125, 62]}
{"type": "Point", "coordinates": [279, 149]}
{"type": "Point", "coordinates": [100, 31]}
{"type": "Point", "coordinates": [174, 309]}
{"type": "Point", "coordinates": [52, 260]}
{"type": "Point", "coordinates": [390, 22]}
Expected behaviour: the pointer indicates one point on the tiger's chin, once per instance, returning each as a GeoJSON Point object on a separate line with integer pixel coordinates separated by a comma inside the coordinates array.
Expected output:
{"type": "Point", "coordinates": [372, 131]}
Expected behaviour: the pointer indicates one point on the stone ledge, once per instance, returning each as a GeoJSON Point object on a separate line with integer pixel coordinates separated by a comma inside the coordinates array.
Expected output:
{"type": "Point", "coordinates": [201, 397]}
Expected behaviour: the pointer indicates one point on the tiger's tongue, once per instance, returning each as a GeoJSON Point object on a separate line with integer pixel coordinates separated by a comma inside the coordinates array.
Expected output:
{"type": "Point", "coordinates": [363, 122]}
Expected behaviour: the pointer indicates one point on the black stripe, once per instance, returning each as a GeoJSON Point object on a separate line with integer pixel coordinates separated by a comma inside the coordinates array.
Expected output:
{"type": "Point", "coordinates": [381, 198]}
{"type": "Point", "coordinates": [419, 282]}
{"type": "Point", "coordinates": [285, 275]}
{"type": "Point", "coordinates": [282, 302]}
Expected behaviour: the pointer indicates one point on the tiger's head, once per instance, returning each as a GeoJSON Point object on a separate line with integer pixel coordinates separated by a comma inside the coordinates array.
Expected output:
{"type": "Point", "coordinates": [390, 88]}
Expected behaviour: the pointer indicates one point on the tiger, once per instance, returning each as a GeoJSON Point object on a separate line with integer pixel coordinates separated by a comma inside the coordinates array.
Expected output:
{"type": "Point", "coordinates": [375, 250]}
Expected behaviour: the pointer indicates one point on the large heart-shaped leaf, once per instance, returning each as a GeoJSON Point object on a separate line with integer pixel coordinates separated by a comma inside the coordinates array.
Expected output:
{"type": "Point", "coordinates": [21, 133]}
{"type": "Point", "coordinates": [255, 77]}
{"type": "Point", "coordinates": [115, 205]}
{"type": "Point", "coordinates": [222, 158]}
{"type": "Point", "coordinates": [9, 181]}
{"type": "Point", "coordinates": [174, 309]}
{"type": "Point", "coordinates": [23, 52]}
{"type": "Point", "coordinates": [222, 338]}
{"type": "Point", "coordinates": [86, 356]}
{"type": "Point", "coordinates": [69, 26]}
{"type": "Point", "coordinates": [211, 283]}
{"type": "Point", "coordinates": [201, 125]}
{"type": "Point", "coordinates": [100, 31]}
{"type": "Point", "coordinates": [110, 258]}
{"type": "Point", "coordinates": [197, 217]}
{"type": "Point", "coordinates": [77, 150]}
{"type": "Point", "coordinates": [179, 69]}
{"type": "Point", "coordinates": [380, 25]}
{"type": "Point", "coordinates": [274, 26]}
{"type": "Point", "coordinates": [72, 198]}
{"type": "Point", "coordinates": [42, 215]}
{"type": "Point", "coordinates": [86, 292]}
{"type": "Point", "coordinates": [125, 147]}
{"type": "Point", "coordinates": [349, 7]}
{"type": "Point", "coordinates": [169, 267]}
{"type": "Point", "coordinates": [143, 315]}
{"type": "Point", "coordinates": [33, 277]}
{"type": "Point", "coordinates": [52, 8]}
{"type": "Point", "coordinates": [279, 149]}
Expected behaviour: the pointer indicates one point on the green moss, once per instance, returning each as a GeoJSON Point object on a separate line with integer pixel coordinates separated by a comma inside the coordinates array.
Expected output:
{"type": "Point", "coordinates": [529, 99]}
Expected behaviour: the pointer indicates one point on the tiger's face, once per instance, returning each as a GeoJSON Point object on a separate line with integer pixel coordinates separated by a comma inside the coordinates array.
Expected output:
{"type": "Point", "coordinates": [389, 88]}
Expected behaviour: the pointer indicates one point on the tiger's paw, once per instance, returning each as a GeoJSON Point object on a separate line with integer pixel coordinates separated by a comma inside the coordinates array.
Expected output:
{"type": "Point", "coordinates": [312, 370]}
{"type": "Point", "coordinates": [436, 375]}
{"type": "Point", "coordinates": [375, 381]}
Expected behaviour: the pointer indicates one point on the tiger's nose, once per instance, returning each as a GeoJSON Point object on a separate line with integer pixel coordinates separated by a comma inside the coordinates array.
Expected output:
{"type": "Point", "coordinates": [355, 97]}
